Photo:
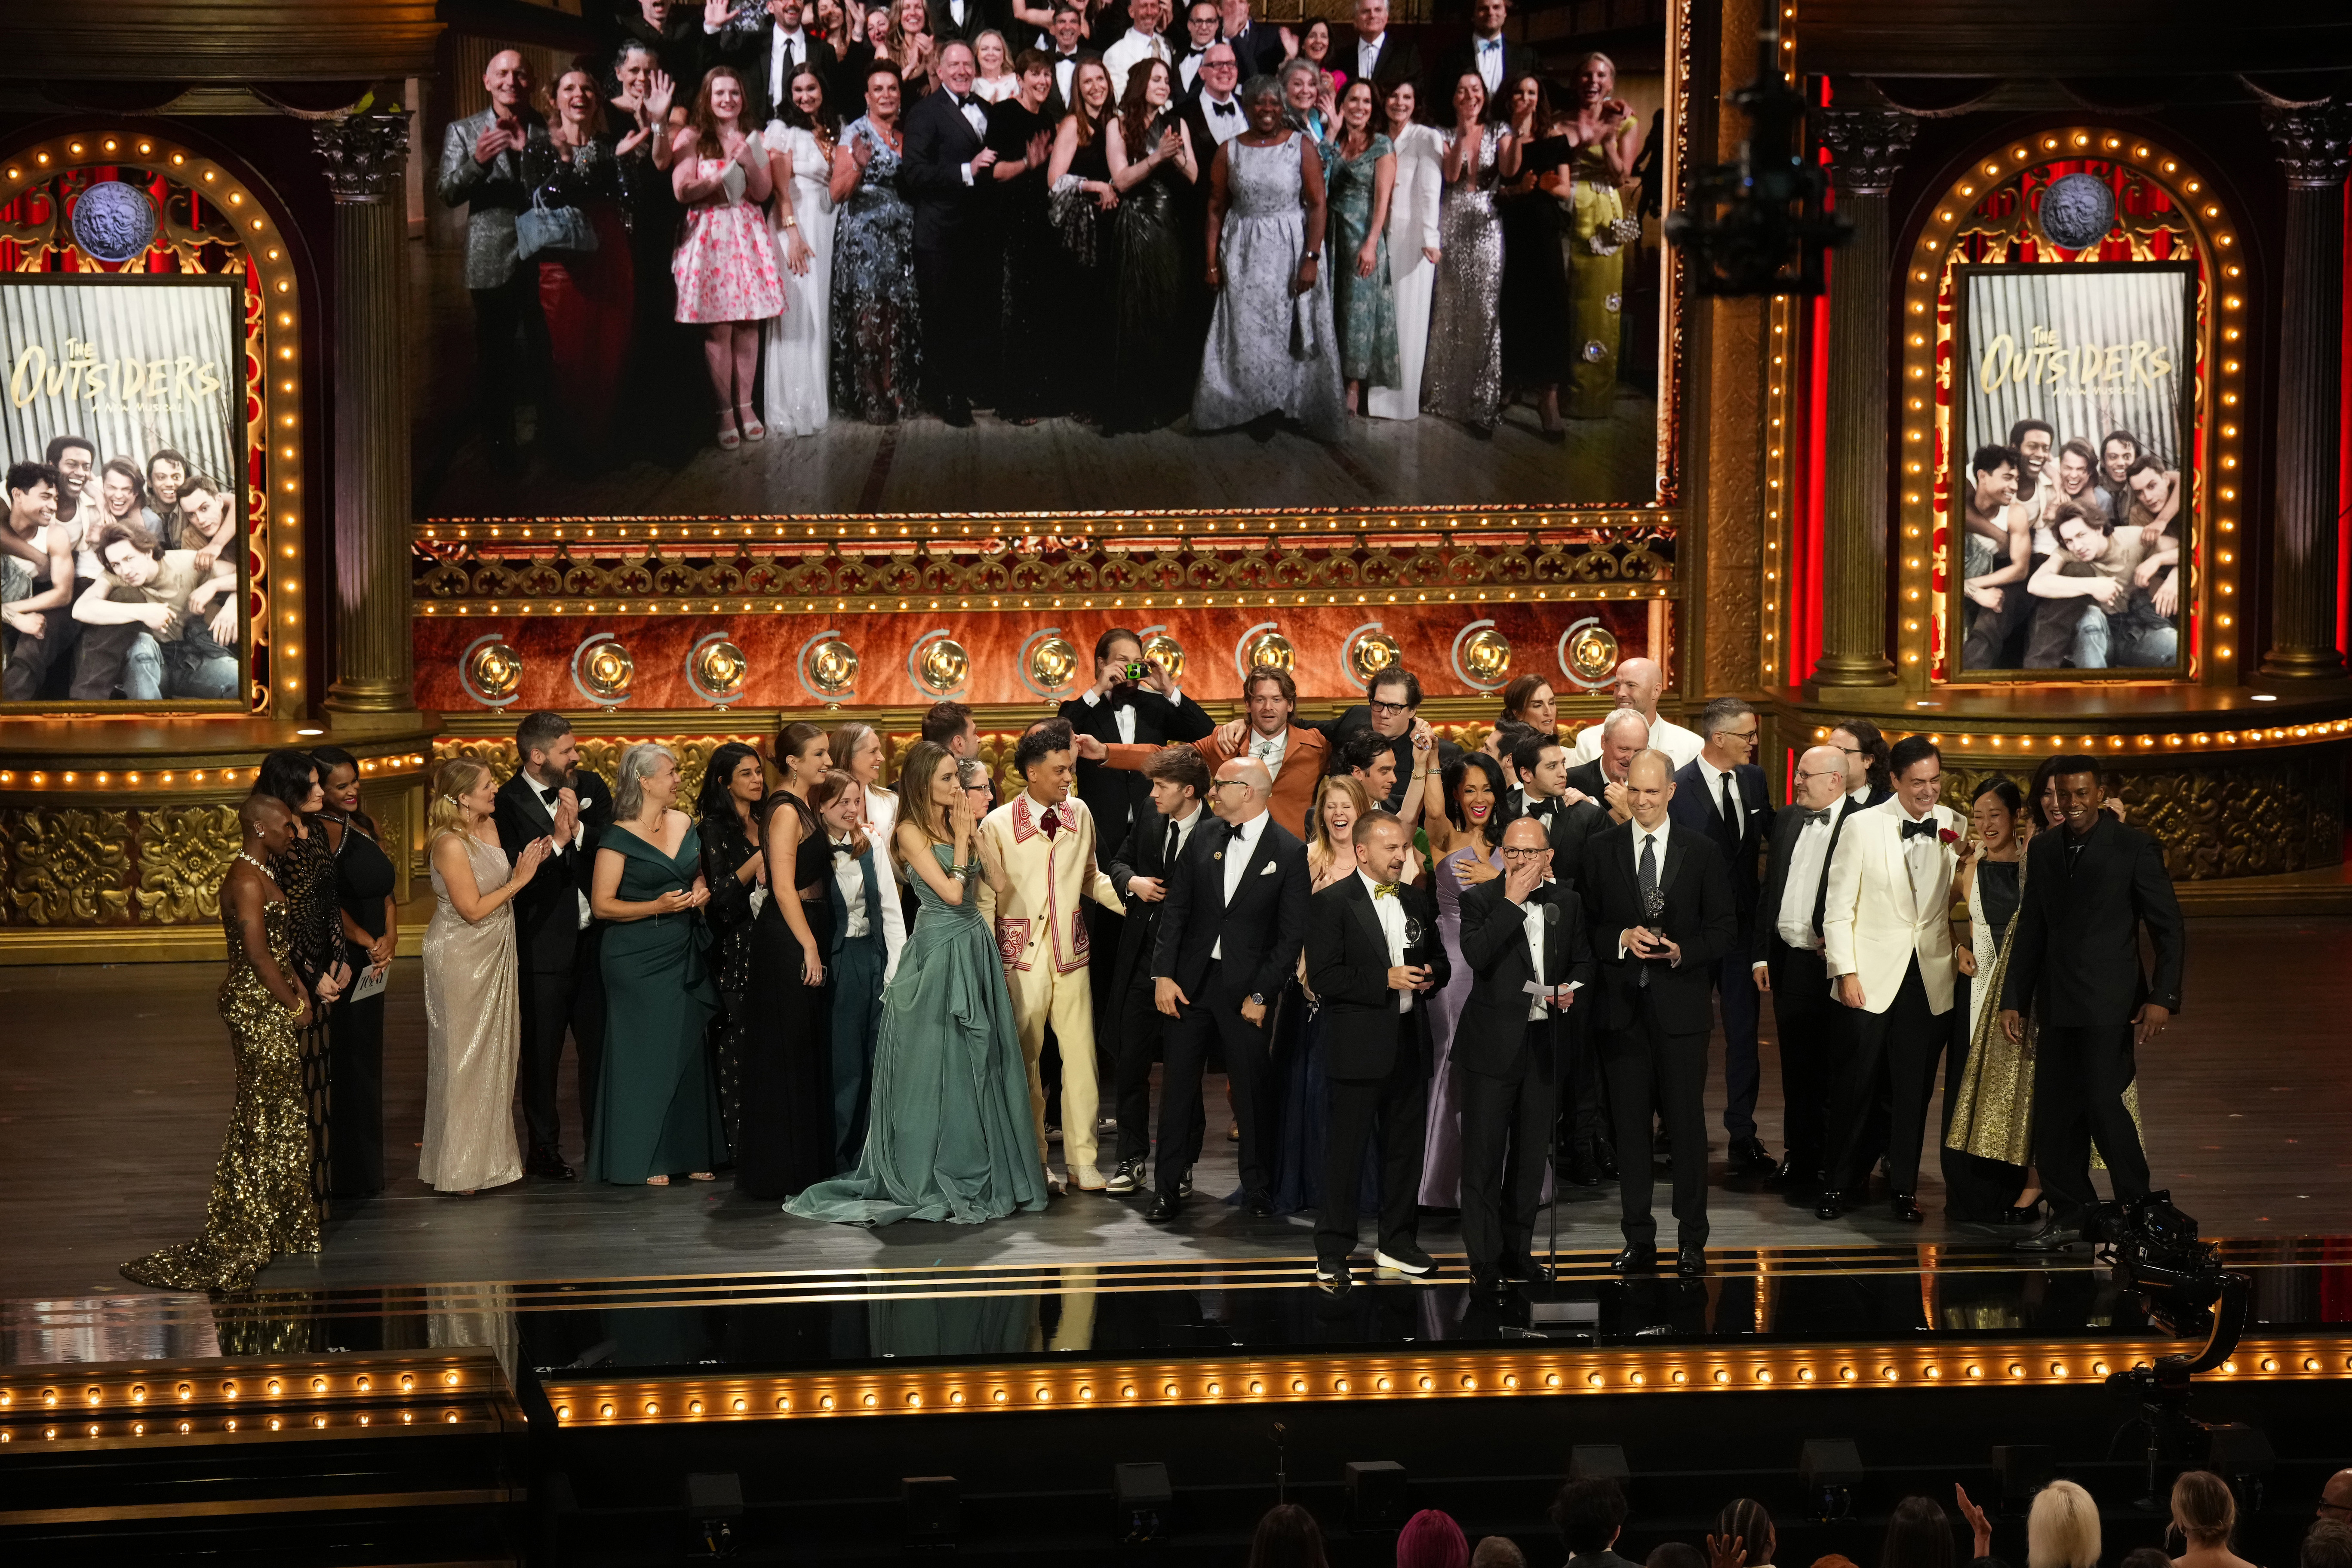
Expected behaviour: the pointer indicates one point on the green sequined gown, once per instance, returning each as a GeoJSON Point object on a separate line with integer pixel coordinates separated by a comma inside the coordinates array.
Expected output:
{"type": "Point", "coordinates": [261, 1202]}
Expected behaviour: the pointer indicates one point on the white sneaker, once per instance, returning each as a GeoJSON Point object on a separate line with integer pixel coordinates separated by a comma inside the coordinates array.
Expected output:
{"type": "Point", "coordinates": [1085, 1178]}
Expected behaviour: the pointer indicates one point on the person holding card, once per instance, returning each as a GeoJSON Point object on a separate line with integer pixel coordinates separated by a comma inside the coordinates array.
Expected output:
{"type": "Point", "coordinates": [1523, 939]}
{"type": "Point", "coordinates": [365, 881]}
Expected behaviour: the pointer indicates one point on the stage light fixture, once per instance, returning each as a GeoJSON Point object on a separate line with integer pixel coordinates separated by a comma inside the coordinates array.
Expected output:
{"type": "Point", "coordinates": [1376, 1495]}
{"type": "Point", "coordinates": [1144, 1499]}
{"type": "Point", "coordinates": [1831, 1469]}
{"type": "Point", "coordinates": [933, 1508]}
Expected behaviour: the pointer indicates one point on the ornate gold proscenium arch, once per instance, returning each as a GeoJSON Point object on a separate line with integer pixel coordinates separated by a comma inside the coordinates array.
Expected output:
{"type": "Point", "coordinates": [212, 221]}
{"type": "Point", "coordinates": [2165, 208]}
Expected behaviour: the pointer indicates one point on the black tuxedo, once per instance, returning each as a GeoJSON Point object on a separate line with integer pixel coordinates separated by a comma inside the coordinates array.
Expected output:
{"type": "Point", "coordinates": [1510, 1064]}
{"type": "Point", "coordinates": [1698, 806]}
{"type": "Point", "coordinates": [1376, 1058]}
{"type": "Point", "coordinates": [1117, 795]}
{"type": "Point", "coordinates": [1570, 829]}
{"type": "Point", "coordinates": [1655, 1014]}
{"type": "Point", "coordinates": [979, 17]}
{"type": "Point", "coordinates": [1588, 778]}
{"type": "Point", "coordinates": [562, 986]}
{"type": "Point", "coordinates": [1261, 930]}
{"type": "Point", "coordinates": [1257, 49]}
{"type": "Point", "coordinates": [1461, 58]}
{"type": "Point", "coordinates": [958, 272]}
{"type": "Point", "coordinates": [1811, 1022]}
{"type": "Point", "coordinates": [2075, 961]}
{"type": "Point", "coordinates": [748, 43]}
{"type": "Point", "coordinates": [1136, 1037]}
{"type": "Point", "coordinates": [1398, 60]}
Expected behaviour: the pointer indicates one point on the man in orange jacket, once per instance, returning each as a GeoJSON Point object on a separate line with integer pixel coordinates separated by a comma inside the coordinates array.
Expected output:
{"type": "Point", "coordinates": [1296, 757]}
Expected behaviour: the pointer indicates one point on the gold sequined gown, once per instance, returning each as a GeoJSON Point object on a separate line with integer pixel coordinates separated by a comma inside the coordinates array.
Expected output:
{"type": "Point", "coordinates": [261, 1203]}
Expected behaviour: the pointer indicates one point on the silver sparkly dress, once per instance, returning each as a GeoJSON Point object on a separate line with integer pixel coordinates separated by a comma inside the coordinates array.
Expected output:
{"type": "Point", "coordinates": [1270, 350]}
{"type": "Point", "coordinates": [1463, 377]}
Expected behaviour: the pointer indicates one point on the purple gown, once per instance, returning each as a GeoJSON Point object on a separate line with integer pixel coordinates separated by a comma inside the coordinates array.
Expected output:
{"type": "Point", "coordinates": [1441, 1168]}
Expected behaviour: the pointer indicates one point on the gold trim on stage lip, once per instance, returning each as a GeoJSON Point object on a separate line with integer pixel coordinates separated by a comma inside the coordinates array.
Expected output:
{"type": "Point", "coordinates": [1224, 1382]}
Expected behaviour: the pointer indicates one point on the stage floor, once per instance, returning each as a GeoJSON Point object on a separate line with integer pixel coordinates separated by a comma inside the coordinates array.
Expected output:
{"type": "Point", "coordinates": [118, 1084]}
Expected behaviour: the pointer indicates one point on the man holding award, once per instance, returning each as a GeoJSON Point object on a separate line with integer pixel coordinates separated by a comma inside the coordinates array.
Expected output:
{"type": "Point", "coordinates": [1657, 900]}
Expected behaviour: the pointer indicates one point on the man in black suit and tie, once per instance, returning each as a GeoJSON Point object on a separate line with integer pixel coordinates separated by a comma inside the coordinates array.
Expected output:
{"type": "Point", "coordinates": [1229, 937]}
{"type": "Point", "coordinates": [1722, 793]}
{"type": "Point", "coordinates": [958, 277]}
{"type": "Point", "coordinates": [1498, 61]}
{"type": "Point", "coordinates": [1624, 735]}
{"type": "Point", "coordinates": [1659, 903]}
{"type": "Point", "coordinates": [1381, 57]}
{"type": "Point", "coordinates": [1373, 955]}
{"type": "Point", "coordinates": [1145, 711]}
{"type": "Point", "coordinates": [1523, 937]}
{"type": "Point", "coordinates": [2089, 887]}
{"type": "Point", "coordinates": [1140, 869]}
{"type": "Point", "coordinates": [556, 942]}
{"type": "Point", "coordinates": [1200, 25]}
{"type": "Point", "coordinates": [1542, 763]}
{"type": "Point", "coordinates": [1065, 41]}
{"type": "Point", "coordinates": [767, 44]}
{"type": "Point", "coordinates": [1786, 960]}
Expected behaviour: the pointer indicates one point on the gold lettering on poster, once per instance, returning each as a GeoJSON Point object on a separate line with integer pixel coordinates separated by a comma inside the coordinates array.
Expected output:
{"type": "Point", "coordinates": [2056, 367]}
{"type": "Point", "coordinates": [110, 383]}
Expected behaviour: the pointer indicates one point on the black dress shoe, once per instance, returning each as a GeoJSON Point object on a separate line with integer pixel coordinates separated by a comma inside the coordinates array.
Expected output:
{"type": "Point", "coordinates": [1489, 1288]}
{"type": "Point", "coordinates": [1690, 1262]}
{"type": "Point", "coordinates": [1607, 1162]}
{"type": "Point", "coordinates": [958, 411]}
{"type": "Point", "coordinates": [1749, 1157]}
{"type": "Point", "coordinates": [1163, 1207]}
{"type": "Point", "coordinates": [1184, 1184]}
{"type": "Point", "coordinates": [1635, 1260]}
{"type": "Point", "coordinates": [1784, 1175]}
{"type": "Point", "coordinates": [549, 1166]}
{"type": "Point", "coordinates": [1582, 1170]}
{"type": "Point", "coordinates": [2030, 1214]}
{"type": "Point", "coordinates": [1831, 1207]}
{"type": "Point", "coordinates": [1906, 1209]}
{"type": "Point", "coordinates": [1525, 1271]}
{"type": "Point", "coordinates": [1259, 1205]}
{"type": "Point", "coordinates": [2055, 1236]}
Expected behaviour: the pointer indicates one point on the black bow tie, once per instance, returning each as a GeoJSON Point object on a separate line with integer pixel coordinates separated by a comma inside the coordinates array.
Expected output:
{"type": "Point", "coordinates": [1821, 815]}
{"type": "Point", "coordinates": [1227, 108]}
{"type": "Point", "coordinates": [1195, 54]}
{"type": "Point", "coordinates": [1544, 807]}
{"type": "Point", "coordinates": [845, 848]}
{"type": "Point", "coordinates": [1921, 829]}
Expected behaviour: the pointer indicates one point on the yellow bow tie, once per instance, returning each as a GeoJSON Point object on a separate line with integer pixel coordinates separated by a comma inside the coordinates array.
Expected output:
{"type": "Point", "coordinates": [1384, 890]}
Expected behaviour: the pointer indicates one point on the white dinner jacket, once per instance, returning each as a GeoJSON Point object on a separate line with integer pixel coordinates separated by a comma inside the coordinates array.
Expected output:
{"type": "Point", "coordinates": [1873, 924]}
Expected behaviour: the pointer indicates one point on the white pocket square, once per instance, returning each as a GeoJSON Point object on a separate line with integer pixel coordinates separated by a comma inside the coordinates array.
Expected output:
{"type": "Point", "coordinates": [1267, 870]}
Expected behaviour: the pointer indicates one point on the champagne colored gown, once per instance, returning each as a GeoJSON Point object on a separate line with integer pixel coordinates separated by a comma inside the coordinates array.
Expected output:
{"type": "Point", "coordinates": [951, 1135]}
{"type": "Point", "coordinates": [473, 1036]}
{"type": "Point", "coordinates": [260, 1203]}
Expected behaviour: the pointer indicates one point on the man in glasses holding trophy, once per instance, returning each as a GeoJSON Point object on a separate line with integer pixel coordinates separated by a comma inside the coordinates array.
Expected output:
{"type": "Point", "coordinates": [1658, 902]}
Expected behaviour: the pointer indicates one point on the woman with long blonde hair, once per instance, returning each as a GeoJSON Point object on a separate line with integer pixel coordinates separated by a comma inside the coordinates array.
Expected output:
{"type": "Point", "coordinates": [473, 1006]}
{"type": "Point", "coordinates": [1340, 802]}
{"type": "Point", "coordinates": [950, 1134]}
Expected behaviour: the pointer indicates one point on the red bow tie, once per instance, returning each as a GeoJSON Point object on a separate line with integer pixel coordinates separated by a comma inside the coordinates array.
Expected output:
{"type": "Point", "coordinates": [1051, 823]}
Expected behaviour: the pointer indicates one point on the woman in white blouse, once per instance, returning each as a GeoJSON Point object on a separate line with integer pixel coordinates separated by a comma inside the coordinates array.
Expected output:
{"type": "Point", "coordinates": [799, 353]}
{"type": "Point", "coordinates": [1412, 249]}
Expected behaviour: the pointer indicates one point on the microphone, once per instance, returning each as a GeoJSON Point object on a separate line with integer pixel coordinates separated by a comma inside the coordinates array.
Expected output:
{"type": "Point", "coordinates": [1551, 915]}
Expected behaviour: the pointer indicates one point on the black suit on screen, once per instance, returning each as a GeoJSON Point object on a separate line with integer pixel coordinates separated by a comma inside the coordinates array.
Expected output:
{"type": "Point", "coordinates": [561, 985]}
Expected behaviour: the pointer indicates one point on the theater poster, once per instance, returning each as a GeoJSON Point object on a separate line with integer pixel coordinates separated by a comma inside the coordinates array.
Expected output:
{"type": "Point", "coordinates": [2071, 483]}
{"type": "Point", "coordinates": [124, 559]}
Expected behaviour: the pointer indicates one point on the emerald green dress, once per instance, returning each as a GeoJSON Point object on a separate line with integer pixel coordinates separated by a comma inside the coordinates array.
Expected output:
{"type": "Point", "coordinates": [657, 1104]}
{"type": "Point", "coordinates": [950, 1135]}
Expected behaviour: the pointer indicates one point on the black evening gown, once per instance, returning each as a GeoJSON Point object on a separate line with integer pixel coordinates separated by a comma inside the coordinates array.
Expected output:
{"type": "Point", "coordinates": [306, 876]}
{"type": "Point", "coordinates": [364, 877]}
{"type": "Point", "coordinates": [1035, 339]}
{"type": "Point", "coordinates": [1534, 302]}
{"type": "Point", "coordinates": [785, 1085]}
{"type": "Point", "coordinates": [729, 915]}
{"type": "Point", "coordinates": [1087, 274]}
{"type": "Point", "coordinates": [1154, 288]}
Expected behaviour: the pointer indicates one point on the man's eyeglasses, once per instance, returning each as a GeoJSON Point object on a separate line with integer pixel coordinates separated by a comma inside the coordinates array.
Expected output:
{"type": "Point", "coordinates": [1745, 737]}
{"type": "Point", "coordinates": [1379, 707]}
{"type": "Point", "coordinates": [1524, 854]}
{"type": "Point", "coordinates": [1228, 783]}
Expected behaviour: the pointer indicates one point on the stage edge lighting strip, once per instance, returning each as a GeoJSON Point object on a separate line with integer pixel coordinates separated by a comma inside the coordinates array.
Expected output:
{"type": "Point", "coordinates": [1552, 1369]}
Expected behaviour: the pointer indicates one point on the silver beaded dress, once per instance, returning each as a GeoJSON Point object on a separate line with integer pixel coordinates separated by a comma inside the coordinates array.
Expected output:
{"type": "Point", "coordinates": [1464, 376]}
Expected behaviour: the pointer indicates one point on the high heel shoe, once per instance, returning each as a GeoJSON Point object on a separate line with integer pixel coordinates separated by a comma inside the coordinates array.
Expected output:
{"type": "Point", "coordinates": [728, 439]}
{"type": "Point", "coordinates": [753, 429]}
{"type": "Point", "coordinates": [2027, 1214]}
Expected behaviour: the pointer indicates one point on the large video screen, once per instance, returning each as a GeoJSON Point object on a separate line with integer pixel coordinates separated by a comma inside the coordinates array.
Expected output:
{"type": "Point", "coordinates": [122, 557]}
{"type": "Point", "coordinates": [667, 281]}
{"type": "Point", "coordinates": [2071, 485]}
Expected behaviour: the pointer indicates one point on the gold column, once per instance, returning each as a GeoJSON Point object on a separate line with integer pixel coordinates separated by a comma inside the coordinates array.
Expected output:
{"type": "Point", "coordinates": [365, 154]}
{"type": "Point", "coordinates": [1866, 146]}
{"type": "Point", "coordinates": [2312, 143]}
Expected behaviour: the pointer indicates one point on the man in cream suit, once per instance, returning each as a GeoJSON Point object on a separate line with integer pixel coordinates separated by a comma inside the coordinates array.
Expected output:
{"type": "Point", "coordinates": [1044, 839]}
{"type": "Point", "coordinates": [1887, 938]}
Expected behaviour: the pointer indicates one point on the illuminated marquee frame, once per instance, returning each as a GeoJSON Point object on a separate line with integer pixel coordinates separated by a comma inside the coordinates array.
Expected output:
{"type": "Point", "coordinates": [209, 205]}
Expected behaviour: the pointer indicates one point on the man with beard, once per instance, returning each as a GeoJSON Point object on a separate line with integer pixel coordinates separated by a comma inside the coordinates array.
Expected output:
{"type": "Point", "coordinates": [556, 941]}
{"type": "Point", "coordinates": [768, 44]}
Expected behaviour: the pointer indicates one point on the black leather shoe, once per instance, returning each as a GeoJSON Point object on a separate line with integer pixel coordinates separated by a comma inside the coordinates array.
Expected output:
{"type": "Point", "coordinates": [1831, 1207]}
{"type": "Point", "coordinates": [1259, 1205]}
{"type": "Point", "coordinates": [1906, 1209]}
{"type": "Point", "coordinates": [547, 1165]}
{"type": "Point", "coordinates": [1607, 1162]}
{"type": "Point", "coordinates": [1690, 1262]}
{"type": "Point", "coordinates": [1489, 1288]}
{"type": "Point", "coordinates": [1184, 1184]}
{"type": "Point", "coordinates": [1163, 1207]}
{"type": "Point", "coordinates": [1748, 1157]}
{"type": "Point", "coordinates": [1785, 1175]}
{"type": "Point", "coordinates": [2055, 1236]}
{"type": "Point", "coordinates": [1582, 1172]}
{"type": "Point", "coordinates": [958, 411]}
{"type": "Point", "coordinates": [1635, 1260]}
{"type": "Point", "coordinates": [1525, 1271]}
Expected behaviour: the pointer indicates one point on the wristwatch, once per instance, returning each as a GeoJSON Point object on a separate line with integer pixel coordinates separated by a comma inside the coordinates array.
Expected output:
{"type": "Point", "coordinates": [1258, 998]}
